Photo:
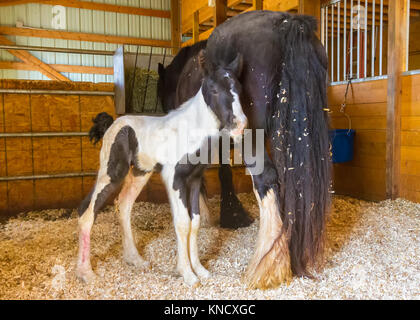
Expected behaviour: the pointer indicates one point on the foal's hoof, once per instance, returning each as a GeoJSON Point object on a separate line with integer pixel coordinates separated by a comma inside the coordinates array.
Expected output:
{"type": "Point", "coordinates": [234, 217]}
{"type": "Point", "coordinates": [138, 262]}
{"type": "Point", "coordinates": [192, 281]}
{"type": "Point", "coordinates": [202, 272]}
{"type": "Point", "coordinates": [87, 276]}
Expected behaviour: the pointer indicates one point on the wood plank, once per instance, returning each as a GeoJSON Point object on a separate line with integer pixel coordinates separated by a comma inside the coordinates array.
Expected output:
{"type": "Point", "coordinates": [410, 138]}
{"type": "Point", "coordinates": [175, 26]}
{"type": "Point", "coordinates": [94, 6]}
{"type": "Point", "coordinates": [219, 12]}
{"type": "Point", "coordinates": [410, 153]}
{"type": "Point", "coordinates": [82, 36]}
{"type": "Point", "coordinates": [410, 167]}
{"type": "Point", "coordinates": [365, 109]}
{"type": "Point", "coordinates": [36, 64]}
{"type": "Point", "coordinates": [59, 67]}
{"type": "Point", "coordinates": [196, 27]}
{"type": "Point", "coordinates": [359, 123]}
{"type": "Point", "coordinates": [202, 36]}
{"type": "Point", "coordinates": [284, 5]}
{"type": "Point", "coordinates": [257, 4]}
{"type": "Point", "coordinates": [359, 93]}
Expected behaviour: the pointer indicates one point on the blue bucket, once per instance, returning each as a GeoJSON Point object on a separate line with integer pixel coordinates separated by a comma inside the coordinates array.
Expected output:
{"type": "Point", "coordinates": [342, 141]}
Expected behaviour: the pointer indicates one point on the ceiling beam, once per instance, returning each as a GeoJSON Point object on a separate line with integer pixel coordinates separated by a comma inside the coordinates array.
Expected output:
{"type": "Point", "coordinates": [81, 36]}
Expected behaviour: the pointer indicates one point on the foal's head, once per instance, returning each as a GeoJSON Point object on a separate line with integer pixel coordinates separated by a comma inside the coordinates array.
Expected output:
{"type": "Point", "coordinates": [221, 90]}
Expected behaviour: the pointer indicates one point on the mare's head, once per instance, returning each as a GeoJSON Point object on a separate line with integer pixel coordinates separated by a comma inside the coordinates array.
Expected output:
{"type": "Point", "coordinates": [166, 89]}
{"type": "Point", "coordinates": [221, 90]}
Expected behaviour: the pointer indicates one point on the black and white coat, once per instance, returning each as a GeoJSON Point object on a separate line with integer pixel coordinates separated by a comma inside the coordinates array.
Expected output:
{"type": "Point", "coordinates": [136, 146]}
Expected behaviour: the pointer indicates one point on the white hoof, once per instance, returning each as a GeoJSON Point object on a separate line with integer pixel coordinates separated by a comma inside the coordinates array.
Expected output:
{"type": "Point", "coordinates": [137, 261]}
{"type": "Point", "coordinates": [86, 275]}
{"type": "Point", "coordinates": [191, 280]}
{"type": "Point", "coordinates": [202, 272]}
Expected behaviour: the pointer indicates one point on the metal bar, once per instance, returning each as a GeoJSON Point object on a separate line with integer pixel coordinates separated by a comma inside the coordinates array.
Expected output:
{"type": "Point", "coordinates": [163, 64]}
{"type": "Point", "coordinates": [381, 37]}
{"type": "Point", "coordinates": [332, 43]}
{"type": "Point", "coordinates": [49, 176]}
{"type": "Point", "coordinates": [63, 92]}
{"type": "Point", "coordinates": [60, 50]}
{"type": "Point", "coordinates": [345, 41]}
{"type": "Point", "coordinates": [323, 26]}
{"type": "Point", "coordinates": [326, 30]}
{"type": "Point", "coordinates": [43, 134]}
{"type": "Point", "coordinates": [358, 39]}
{"type": "Point", "coordinates": [408, 36]}
{"type": "Point", "coordinates": [147, 79]}
{"type": "Point", "coordinates": [365, 33]}
{"type": "Point", "coordinates": [351, 39]}
{"type": "Point", "coordinates": [373, 40]}
{"type": "Point", "coordinates": [338, 41]}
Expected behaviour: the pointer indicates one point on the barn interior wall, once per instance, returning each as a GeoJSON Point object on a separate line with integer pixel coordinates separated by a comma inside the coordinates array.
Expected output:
{"type": "Point", "coordinates": [364, 176]}
{"type": "Point", "coordinates": [38, 15]}
{"type": "Point", "coordinates": [410, 138]}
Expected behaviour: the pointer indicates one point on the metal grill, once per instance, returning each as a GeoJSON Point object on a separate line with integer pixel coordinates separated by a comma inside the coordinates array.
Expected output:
{"type": "Point", "coordinates": [352, 32]}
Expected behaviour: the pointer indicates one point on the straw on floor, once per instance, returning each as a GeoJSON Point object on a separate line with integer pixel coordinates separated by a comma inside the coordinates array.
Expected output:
{"type": "Point", "coordinates": [372, 252]}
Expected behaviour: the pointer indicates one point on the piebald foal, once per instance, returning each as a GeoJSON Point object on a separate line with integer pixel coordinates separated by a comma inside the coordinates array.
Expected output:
{"type": "Point", "coordinates": [136, 146]}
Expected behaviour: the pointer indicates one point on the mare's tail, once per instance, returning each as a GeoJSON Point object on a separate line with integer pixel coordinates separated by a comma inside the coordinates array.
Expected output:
{"type": "Point", "coordinates": [101, 123]}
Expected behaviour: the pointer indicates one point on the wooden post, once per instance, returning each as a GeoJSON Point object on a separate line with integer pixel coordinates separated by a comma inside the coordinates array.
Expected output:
{"type": "Point", "coordinates": [219, 12]}
{"type": "Point", "coordinates": [196, 27]}
{"type": "Point", "coordinates": [312, 8]}
{"type": "Point", "coordinates": [175, 26]}
{"type": "Point", "coordinates": [257, 4]}
{"type": "Point", "coordinates": [397, 50]}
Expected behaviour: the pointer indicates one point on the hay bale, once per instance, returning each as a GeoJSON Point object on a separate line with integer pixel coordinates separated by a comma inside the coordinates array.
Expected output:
{"type": "Point", "coordinates": [143, 93]}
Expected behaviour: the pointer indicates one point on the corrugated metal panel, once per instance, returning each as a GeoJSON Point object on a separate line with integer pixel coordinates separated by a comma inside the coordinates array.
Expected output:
{"type": "Point", "coordinates": [82, 20]}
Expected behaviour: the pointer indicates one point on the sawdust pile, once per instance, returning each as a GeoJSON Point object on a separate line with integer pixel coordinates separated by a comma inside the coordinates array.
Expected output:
{"type": "Point", "coordinates": [372, 253]}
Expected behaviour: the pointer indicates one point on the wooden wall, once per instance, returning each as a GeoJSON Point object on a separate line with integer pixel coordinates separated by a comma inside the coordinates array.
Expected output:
{"type": "Point", "coordinates": [23, 156]}
{"type": "Point", "coordinates": [410, 138]}
{"type": "Point", "coordinates": [364, 177]}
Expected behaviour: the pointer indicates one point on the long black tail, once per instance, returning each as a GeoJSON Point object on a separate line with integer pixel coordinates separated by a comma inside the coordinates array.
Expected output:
{"type": "Point", "coordinates": [101, 123]}
{"type": "Point", "coordinates": [298, 131]}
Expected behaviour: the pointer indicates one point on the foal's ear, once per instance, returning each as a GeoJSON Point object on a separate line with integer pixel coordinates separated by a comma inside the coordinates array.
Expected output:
{"type": "Point", "coordinates": [236, 65]}
{"type": "Point", "coordinates": [202, 61]}
{"type": "Point", "coordinates": [161, 70]}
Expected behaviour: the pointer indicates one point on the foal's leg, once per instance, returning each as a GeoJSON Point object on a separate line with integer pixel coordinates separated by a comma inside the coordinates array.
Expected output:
{"type": "Point", "coordinates": [270, 264]}
{"type": "Point", "coordinates": [182, 222]}
{"type": "Point", "coordinates": [195, 225]}
{"type": "Point", "coordinates": [133, 184]}
{"type": "Point", "coordinates": [90, 206]}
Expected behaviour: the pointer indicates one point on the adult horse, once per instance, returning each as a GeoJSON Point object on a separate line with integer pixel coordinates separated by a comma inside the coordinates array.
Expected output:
{"type": "Point", "coordinates": [284, 93]}
{"type": "Point", "coordinates": [232, 213]}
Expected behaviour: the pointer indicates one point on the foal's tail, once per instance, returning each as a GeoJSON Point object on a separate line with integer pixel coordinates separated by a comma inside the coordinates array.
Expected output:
{"type": "Point", "coordinates": [101, 123]}
{"type": "Point", "coordinates": [298, 131]}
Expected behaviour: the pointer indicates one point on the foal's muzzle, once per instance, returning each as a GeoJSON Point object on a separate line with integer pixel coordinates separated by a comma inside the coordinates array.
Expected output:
{"type": "Point", "coordinates": [239, 127]}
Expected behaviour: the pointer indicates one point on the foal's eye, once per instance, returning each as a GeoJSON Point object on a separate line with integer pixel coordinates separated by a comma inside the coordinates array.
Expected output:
{"type": "Point", "coordinates": [213, 91]}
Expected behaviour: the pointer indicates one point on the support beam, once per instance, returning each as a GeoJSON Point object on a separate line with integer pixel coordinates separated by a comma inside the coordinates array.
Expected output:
{"type": "Point", "coordinates": [34, 62]}
{"type": "Point", "coordinates": [257, 4]}
{"type": "Point", "coordinates": [175, 26]}
{"type": "Point", "coordinates": [397, 49]}
{"type": "Point", "coordinates": [81, 36]}
{"type": "Point", "coordinates": [196, 27]}
{"type": "Point", "coordinates": [219, 12]}
{"type": "Point", "coordinates": [93, 6]}
{"type": "Point", "coordinates": [202, 36]}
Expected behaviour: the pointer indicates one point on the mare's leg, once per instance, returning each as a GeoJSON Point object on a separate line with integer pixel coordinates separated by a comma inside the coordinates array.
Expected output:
{"type": "Point", "coordinates": [182, 222]}
{"type": "Point", "coordinates": [232, 213]}
{"type": "Point", "coordinates": [133, 184]}
{"type": "Point", "coordinates": [206, 218]}
{"type": "Point", "coordinates": [270, 264]}
{"type": "Point", "coordinates": [195, 225]}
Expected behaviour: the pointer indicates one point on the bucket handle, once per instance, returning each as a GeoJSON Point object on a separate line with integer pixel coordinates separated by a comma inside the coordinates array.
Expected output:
{"type": "Point", "coordinates": [344, 104]}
